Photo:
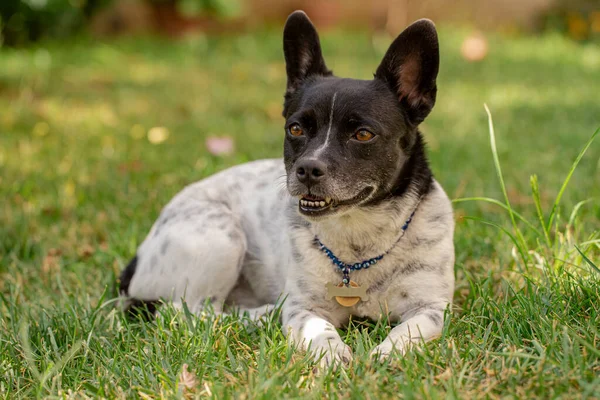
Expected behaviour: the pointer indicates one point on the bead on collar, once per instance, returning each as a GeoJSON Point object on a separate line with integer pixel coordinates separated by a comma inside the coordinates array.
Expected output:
{"type": "Point", "coordinates": [345, 268]}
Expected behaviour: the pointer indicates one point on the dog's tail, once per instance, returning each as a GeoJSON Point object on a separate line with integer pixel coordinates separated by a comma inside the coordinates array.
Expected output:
{"type": "Point", "coordinates": [132, 306]}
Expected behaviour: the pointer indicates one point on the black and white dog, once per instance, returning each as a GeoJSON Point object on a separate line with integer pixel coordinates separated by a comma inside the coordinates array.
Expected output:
{"type": "Point", "coordinates": [363, 229]}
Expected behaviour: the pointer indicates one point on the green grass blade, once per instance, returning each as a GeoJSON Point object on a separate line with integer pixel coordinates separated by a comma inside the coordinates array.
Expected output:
{"type": "Point", "coordinates": [520, 240]}
{"type": "Point", "coordinates": [576, 211]}
{"type": "Point", "coordinates": [28, 353]}
{"type": "Point", "coordinates": [568, 178]}
{"type": "Point", "coordinates": [592, 241]}
{"type": "Point", "coordinates": [535, 190]}
{"type": "Point", "coordinates": [587, 260]}
{"type": "Point", "coordinates": [502, 205]}
{"type": "Point", "coordinates": [506, 231]}
{"type": "Point", "coordinates": [59, 365]}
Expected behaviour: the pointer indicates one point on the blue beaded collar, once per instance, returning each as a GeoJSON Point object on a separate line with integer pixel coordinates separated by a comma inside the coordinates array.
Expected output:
{"type": "Point", "coordinates": [346, 268]}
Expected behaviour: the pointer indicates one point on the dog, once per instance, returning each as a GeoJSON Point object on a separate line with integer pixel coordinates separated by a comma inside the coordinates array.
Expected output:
{"type": "Point", "coordinates": [350, 223]}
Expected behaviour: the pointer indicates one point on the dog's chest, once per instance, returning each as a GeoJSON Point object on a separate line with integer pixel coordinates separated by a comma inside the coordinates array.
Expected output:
{"type": "Point", "coordinates": [313, 271]}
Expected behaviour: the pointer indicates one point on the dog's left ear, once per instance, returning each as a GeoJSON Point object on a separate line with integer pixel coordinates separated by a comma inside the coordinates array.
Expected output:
{"type": "Point", "coordinates": [302, 50]}
{"type": "Point", "coordinates": [410, 68]}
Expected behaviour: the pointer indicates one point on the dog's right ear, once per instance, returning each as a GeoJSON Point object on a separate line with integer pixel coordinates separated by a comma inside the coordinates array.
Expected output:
{"type": "Point", "coordinates": [302, 50]}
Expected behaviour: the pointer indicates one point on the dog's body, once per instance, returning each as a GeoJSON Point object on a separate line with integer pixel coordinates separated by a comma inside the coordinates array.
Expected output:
{"type": "Point", "coordinates": [357, 181]}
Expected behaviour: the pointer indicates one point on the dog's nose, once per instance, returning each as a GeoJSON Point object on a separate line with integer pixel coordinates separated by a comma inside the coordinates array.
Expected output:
{"type": "Point", "coordinates": [310, 171]}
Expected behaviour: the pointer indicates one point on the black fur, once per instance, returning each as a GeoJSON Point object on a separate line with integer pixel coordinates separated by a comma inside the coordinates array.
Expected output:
{"type": "Point", "coordinates": [127, 275]}
{"type": "Point", "coordinates": [391, 106]}
{"type": "Point", "coordinates": [136, 307]}
{"type": "Point", "coordinates": [302, 51]}
{"type": "Point", "coordinates": [410, 68]}
{"type": "Point", "coordinates": [146, 310]}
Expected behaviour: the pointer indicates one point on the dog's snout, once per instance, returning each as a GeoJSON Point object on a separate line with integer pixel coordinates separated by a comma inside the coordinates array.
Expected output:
{"type": "Point", "coordinates": [310, 171]}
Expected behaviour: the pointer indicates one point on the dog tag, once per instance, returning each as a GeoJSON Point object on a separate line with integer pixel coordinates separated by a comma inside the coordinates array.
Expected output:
{"type": "Point", "coordinates": [346, 296]}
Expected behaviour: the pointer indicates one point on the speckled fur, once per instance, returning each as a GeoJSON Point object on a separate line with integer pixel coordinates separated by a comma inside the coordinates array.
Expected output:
{"type": "Point", "coordinates": [237, 238]}
{"type": "Point", "coordinates": [209, 238]}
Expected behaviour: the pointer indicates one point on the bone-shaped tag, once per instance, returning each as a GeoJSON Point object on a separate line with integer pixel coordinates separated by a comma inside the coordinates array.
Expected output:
{"type": "Point", "coordinates": [347, 295]}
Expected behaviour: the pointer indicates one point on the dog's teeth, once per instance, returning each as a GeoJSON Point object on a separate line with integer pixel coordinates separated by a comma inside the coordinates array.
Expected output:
{"type": "Point", "coordinates": [318, 203]}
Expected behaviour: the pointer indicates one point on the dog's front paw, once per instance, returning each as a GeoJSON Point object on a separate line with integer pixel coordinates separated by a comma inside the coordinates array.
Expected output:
{"type": "Point", "coordinates": [383, 351]}
{"type": "Point", "coordinates": [333, 353]}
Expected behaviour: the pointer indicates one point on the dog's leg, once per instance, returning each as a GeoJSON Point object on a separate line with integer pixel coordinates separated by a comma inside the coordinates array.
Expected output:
{"type": "Point", "coordinates": [424, 325]}
{"type": "Point", "coordinates": [196, 257]}
{"type": "Point", "coordinates": [256, 313]}
{"type": "Point", "coordinates": [312, 332]}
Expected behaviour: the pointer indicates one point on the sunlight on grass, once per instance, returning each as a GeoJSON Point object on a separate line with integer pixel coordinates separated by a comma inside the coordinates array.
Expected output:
{"type": "Point", "coordinates": [96, 137]}
{"type": "Point", "coordinates": [552, 244]}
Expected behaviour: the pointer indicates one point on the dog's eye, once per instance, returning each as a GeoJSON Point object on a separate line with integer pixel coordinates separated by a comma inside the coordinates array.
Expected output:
{"type": "Point", "coordinates": [295, 130]}
{"type": "Point", "coordinates": [363, 135]}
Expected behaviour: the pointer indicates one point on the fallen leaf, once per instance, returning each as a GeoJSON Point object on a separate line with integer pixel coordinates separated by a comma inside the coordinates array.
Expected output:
{"type": "Point", "coordinates": [85, 251]}
{"type": "Point", "coordinates": [207, 388]}
{"type": "Point", "coordinates": [474, 48]}
{"type": "Point", "coordinates": [187, 379]}
{"type": "Point", "coordinates": [51, 261]}
{"type": "Point", "coordinates": [54, 252]}
{"type": "Point", "coordinates": [219, 145]}
{"type": "Point", "coordinates": [158, 134]}
{"type": "Point", "coordinates": [459, 215]}
{"type": "Point", "coordinates": [444, 376]}
{"type": "Point", "coordinates": [135, 166]}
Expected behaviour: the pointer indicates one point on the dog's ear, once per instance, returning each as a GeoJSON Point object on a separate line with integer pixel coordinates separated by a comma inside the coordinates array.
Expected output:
{"type": "Point", "coordinates": [410, 68]}
{"type": "Point", "coordinates": [302, 50]}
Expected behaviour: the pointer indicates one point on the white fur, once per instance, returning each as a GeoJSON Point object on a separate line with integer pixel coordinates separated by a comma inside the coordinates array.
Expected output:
{"type": "Point", "coordinates": [236, 238]}
{"type": "Point", "coordinates": [328, 135]}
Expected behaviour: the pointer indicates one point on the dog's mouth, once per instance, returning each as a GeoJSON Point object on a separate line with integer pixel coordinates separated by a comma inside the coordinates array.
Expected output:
{"type": "Point", "coordinates": [316, 206]}
{"type": "Point", "coordinates": [311, 204]}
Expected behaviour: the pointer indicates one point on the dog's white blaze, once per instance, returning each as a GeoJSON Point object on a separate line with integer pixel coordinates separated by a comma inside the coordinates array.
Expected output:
{"type": "Point", "coordinates": [326, 142]}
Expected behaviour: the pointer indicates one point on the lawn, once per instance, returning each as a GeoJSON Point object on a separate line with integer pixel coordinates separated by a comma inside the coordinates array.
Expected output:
{"type": "Point", "coordinates": [81, 182]}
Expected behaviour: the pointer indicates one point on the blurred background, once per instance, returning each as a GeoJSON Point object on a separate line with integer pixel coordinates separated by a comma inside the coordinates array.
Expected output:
{"type": "Point", "coordinates": [108, 108]}
{"type": "Point", "coordinates": [26, 21]}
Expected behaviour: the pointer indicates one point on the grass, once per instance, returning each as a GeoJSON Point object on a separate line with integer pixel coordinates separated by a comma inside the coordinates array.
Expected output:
{"type": "Point", "coordinates": [81, 184]}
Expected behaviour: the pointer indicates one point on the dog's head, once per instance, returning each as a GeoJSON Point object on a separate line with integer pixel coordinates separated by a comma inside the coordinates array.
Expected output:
{"type": "Point", "coordinates": [347, 141]}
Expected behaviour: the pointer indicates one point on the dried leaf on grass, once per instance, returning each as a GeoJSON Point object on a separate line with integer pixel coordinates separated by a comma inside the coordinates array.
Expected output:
{"type": "Point", "coordinates": [220, 145]}
{"type": "Point", "coordinates": [187, 379]}
{"type": "Point", "coordinates": [474, 48]}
